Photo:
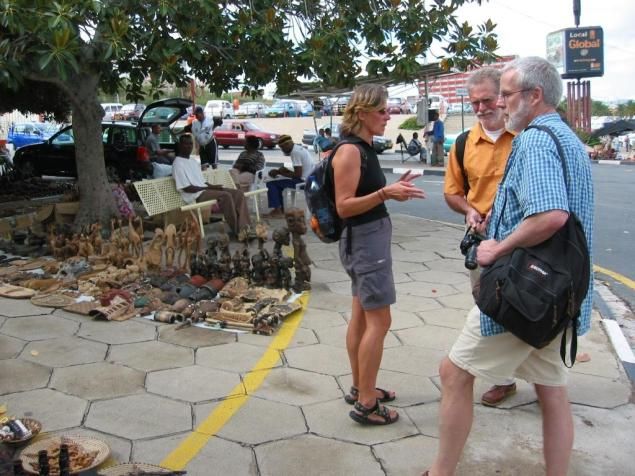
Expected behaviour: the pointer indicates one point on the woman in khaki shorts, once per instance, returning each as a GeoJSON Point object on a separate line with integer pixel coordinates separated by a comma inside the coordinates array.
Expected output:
{"type": "Point", "coordinates": [360, 193]}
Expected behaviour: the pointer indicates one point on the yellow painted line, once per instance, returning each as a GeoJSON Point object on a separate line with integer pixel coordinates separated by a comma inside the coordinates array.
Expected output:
{"type": "Point", "coordinates": [196, 441]}
{"type": "Point", "coordinates": [616, 276]}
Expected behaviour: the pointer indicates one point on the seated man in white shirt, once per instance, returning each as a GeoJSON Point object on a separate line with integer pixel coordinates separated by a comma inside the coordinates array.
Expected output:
{"type": "Point", "coordinates": [302, 163]}
{"type": "Point", "coordinates": [193, 188]}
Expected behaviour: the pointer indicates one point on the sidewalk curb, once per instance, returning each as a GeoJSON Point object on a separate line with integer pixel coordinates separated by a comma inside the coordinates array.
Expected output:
{"type": "Point", "coordinates": [611, 325]}
{"type": "Point", "coordinates": [613, 162]}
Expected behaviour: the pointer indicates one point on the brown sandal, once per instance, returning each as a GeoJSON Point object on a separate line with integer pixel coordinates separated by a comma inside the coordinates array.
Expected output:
{"type": "Point", "coordinates": [361, 414]}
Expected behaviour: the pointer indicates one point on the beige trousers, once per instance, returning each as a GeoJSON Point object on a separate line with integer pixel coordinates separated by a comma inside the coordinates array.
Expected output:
{"type": "Point", "coordinates": [232, 205]}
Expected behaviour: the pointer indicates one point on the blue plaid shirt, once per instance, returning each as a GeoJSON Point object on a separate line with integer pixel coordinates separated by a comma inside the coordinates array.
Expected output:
{"type": "Point", "coordinates": [535, 184]}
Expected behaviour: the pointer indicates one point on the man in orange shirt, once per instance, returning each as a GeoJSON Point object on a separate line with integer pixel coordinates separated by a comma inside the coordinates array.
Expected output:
{"type": "Point", "coordinates": [470, 189]}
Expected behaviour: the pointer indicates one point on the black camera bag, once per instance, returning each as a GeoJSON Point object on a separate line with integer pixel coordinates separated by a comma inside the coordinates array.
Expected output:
{"type": "Point", "coordinates": [537, 292]}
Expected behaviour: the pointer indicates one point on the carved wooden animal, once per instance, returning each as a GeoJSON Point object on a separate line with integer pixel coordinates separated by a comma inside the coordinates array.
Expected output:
{"type": "Point", "coordinates": [85, 248]}
{"type": "Point", "coordinates": [136, 243]}
{"type": "Point", "coordinates": [124, 242]}
{"type": "Point", "coordinates": [154, 255]}
{"type": "Point", "coordinates": [95, 238]}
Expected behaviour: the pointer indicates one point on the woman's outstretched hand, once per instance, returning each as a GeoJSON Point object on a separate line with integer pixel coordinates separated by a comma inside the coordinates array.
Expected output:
{"type": "Point", "coordinates": [403, 190]}
{"type": "Point", "coordinates": [408, 176]}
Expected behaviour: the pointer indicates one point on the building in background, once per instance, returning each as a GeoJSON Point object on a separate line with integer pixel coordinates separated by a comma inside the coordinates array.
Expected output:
{"type": "Point", "coordinates": [447, 84]}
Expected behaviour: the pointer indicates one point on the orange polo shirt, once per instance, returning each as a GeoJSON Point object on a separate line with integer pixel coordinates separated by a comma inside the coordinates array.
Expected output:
{"type": "Point", "coordinates": [484, 163]}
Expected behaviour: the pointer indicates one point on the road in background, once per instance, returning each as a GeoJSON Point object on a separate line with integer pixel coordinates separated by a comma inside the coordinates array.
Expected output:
{"type": "Point", "coordinates": [614, 227]}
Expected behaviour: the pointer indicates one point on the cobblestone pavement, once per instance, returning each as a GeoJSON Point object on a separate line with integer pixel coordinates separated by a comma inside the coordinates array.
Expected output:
{"type": "Point", "coordinates": [191, 398]}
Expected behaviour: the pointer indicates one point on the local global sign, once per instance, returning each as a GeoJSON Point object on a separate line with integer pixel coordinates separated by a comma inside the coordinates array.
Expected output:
{"type": "Point", "coordinates": [577, 52]}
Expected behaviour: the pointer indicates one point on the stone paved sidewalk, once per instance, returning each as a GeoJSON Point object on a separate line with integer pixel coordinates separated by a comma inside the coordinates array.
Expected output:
{"type": "Point", "coordinates": [143, 387]}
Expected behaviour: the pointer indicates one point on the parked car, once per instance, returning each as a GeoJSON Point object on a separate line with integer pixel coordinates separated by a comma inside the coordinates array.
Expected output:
{"type": "Point", "coordinates": [305, 107]}
{"type": "Point", "coordinates": [449, 141]}
{"type": "Point", "coordinates": [234, 133]}
{"type": "Point", "coordinates": [24, 133]}
{"type": "Point", "coordinates": [251, 109]}
{"type": "Point", "coordinates": [284, 108]}
{"type": "Point", "coordinates": [219, 108]}
{"type": "Point", "coordinates": [129, 112]}
{"type": "Point", "coordinates": [340, 104]}
{"type": "Point", "coordinates": [125, 153]}
{"type": "Point", "coordinates": [323, 104]}
{"type": "Point", "coordinates": [110, 109]}
{"type": "Point", "coordinates": [380, 143]}
{"type": "Point", "coordinates": [398, 106]}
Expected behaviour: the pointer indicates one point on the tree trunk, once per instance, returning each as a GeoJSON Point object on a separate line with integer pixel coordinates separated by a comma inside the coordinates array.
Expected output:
{"type": "Point", "coordinates": [96, 201]}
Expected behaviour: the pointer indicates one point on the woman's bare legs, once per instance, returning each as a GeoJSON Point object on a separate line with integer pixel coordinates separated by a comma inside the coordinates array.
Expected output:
{"type": "Point", "coordinates": [354, 333]}
{"type": "Point", "coordinates": [365, 345]}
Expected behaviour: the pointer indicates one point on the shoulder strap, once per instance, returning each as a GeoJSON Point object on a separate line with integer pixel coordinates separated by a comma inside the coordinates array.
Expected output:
{"type": "Point", "coordinates": [558, 146]}
{"type": "Point", "coordinates": [459, 150]}
{"type": "Point", "coordinates": [574, 322]}
{"type": "Point", "coordinates": [560, 154]}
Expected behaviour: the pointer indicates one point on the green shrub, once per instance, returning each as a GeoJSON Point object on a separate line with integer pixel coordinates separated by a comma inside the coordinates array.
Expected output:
{"type": "Point", "coordinates": [586, 138]}
{"type": "Point", "coordinates": [410, 124]}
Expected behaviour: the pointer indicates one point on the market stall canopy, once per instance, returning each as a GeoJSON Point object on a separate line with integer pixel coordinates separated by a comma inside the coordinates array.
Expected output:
{"type": "Point", "coordinates": [614, 128]}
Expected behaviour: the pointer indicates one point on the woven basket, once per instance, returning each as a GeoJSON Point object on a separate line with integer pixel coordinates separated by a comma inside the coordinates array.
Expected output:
{"type": "Point", "coordinates": [52, 300]}
{"type": "Point", "coordinates": [33, 425]}
{"type": "Point", "coordinates": [29, 454]}
{"type": "Point", "coordinates": [128, 468]}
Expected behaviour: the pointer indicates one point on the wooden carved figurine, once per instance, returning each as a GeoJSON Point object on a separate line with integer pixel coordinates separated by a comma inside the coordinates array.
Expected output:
{"type": "Point", "coordinates": [170, 244]}
{"type": "Point", "coordinates": [296, 223]}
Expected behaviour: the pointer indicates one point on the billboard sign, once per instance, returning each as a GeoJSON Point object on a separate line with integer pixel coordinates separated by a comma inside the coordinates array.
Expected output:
{"type": "Point", "coordinates": [577, 52]}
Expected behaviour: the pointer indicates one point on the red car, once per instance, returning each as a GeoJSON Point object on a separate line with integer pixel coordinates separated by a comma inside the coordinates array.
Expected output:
{"type": "Point", "coordinates": [234, 133]}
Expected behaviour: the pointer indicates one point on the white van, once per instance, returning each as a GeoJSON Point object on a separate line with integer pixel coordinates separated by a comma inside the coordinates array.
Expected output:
{"type": "Point", "coordinates": [219, 108]}
{"type": "Point", "coordinates": [110, 109]}
{"type": "Point", "coordinates": [438, 103]}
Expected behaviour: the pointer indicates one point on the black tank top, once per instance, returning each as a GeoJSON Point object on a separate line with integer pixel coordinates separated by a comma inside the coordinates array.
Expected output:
{"type": "Point", "coordinates": [372, 179]}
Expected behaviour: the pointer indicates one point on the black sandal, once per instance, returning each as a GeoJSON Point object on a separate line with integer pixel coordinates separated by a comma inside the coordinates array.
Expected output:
{"type": "Point", "coordinates": [361, 414]}
{"type": "Point", "coordinates": [353, 395]}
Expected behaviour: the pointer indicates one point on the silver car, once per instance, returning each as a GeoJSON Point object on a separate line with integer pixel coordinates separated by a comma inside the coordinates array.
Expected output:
{"type": "Point", "coordinates": [380, 143]}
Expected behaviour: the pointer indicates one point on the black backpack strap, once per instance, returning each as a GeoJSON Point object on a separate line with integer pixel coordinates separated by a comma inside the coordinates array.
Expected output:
{"type": "Point", "coordinates": [558, 146]}
{"type": "Point", "coordinates": [459, 150]}
{"type": "Point", "coordinates": [331, 181]}
{"type": "Point", "coordinates": [574, 322]}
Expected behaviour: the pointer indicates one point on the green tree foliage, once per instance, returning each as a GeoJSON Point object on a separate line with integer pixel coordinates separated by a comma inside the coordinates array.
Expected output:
{"type": "Point", "coordinates": [410, 124]}
{"type": "Point", "coordinates": [598, 108]}
{"type": "Point", "coordinates": [87, 46]}
{"type": "Point", "coordinates": [626, 109]}
{"type": "Point", "coordinates": [35, 96]}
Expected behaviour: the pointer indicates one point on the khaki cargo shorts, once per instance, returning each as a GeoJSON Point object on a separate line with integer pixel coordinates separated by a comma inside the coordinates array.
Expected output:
{"type": "Point", "coordinates": [369, 265]}
{"type": "Point", "coordinates": [499, 357]}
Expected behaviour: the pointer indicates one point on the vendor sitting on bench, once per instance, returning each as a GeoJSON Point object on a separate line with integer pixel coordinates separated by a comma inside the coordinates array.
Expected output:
{"type": "Point", "coordinates": [193, 188]}
{"type": "Point", "coordinates": [415, 147]}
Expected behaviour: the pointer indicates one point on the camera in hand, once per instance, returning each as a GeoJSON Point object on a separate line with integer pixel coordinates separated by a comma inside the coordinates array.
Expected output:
{"type": "Point", "coordinates": [468, 246]}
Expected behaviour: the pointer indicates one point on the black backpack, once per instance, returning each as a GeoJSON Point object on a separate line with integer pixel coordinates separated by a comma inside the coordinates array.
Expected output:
{"type": "Point", "coordinates": [319, 191]}
{"type": "Point", "coordinates": [536, 292]}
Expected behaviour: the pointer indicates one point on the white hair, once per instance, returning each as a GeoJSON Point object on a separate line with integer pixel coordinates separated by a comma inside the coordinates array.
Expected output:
{"type": "Point", "coordinates": [533, 72]}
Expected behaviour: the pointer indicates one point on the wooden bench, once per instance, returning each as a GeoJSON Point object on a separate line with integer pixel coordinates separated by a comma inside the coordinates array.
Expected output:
{"type": "Point", "coordinates": [160, 196]}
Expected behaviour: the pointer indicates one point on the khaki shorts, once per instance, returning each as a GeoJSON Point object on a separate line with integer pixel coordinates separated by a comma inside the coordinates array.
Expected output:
{"type": "Point", "coordinates": [369, 264]}
{"type": "Point", "coordinates": [496, 358]}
